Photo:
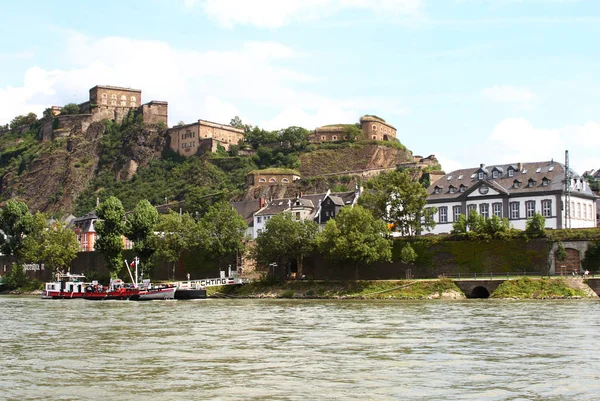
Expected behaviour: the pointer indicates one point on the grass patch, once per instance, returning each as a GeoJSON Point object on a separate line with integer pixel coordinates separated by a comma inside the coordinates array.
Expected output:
{"type": "Point", "coordinates": [528, 288]}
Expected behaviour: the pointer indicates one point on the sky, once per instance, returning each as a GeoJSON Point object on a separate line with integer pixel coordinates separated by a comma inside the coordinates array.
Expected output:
{"type": "Point", "coordinates": [470, 81]}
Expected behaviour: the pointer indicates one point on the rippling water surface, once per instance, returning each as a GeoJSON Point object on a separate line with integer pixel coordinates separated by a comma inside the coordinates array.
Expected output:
{"type": "Point", "coordinates": [299, 350]}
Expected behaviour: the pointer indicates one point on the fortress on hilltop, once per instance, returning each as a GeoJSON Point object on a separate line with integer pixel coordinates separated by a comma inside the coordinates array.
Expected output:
{"type": "Point", "coordinates": [370, 127]}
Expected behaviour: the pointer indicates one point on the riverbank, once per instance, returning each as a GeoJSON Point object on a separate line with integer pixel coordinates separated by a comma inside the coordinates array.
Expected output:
{"type": "Point", "coordinates": [444, 288]}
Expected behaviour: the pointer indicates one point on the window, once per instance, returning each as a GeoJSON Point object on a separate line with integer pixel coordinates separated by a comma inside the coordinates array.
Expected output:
{"type": "Point", "coordinates": [462, 188]}
{"type": "Point", "coordinates": [545, 182]}
{"type": "Point", "coordinates": [529, 209]}
{"type": "Point", "coordinates": [497, 209]}
{"type": "Point", "coordinates": [452, 189]}
{"type": "Point", "coordinates": [133, 98]}
{"type": "Point", "coordinates": [484, 210]}
{"type": "Point", "coordinates": [374, 136]}
{"type": "Point", "coordinates": [334, 138]}
{"type": "Point", "coordinates": [480, 175]}
{"type": "Point", "coordinates": [516, 184]}
{"type": "Point", "coordinates": [590, 212]}
{"type": "Point", "coordinates": [531, 183]}
{"type": "Point", "coordinates": [322, 137]}
{"type": "Point", "coordinates": [584, 212]}
{"type": "Point", "coordinates": [297, 215]}
{"type": "Point", "coordinates": [104, 96]}
{"type": "Point", "coordinates": [123, 103]}
{"type": "Point", "coordinates": [457, 211]}
{"type": "Point", "coordinates": [495, 174]}
{"type": "Point", "coordinates": [443, 214]}
{"type": "Point", "coordinates": [511, 172]}
{"type": "Point", "coordinates": [113, 102]}
{"type": "Point", "coordinates": [374, 127]}
{"type": "Point", "coordinates": [578, 210]}
{"type": "Point", "coordinates": [132, 104]}
{"type": "Point", "coordinates": [262, 180]}
{"type": "Point", "coordinates": [470, 209]}
{"type": "Point", "coordinates": [259, 219]}
{"type": "Point", "coordinates": [514, 210]}
{"type": "Point", "coordinates": [437, 190]}
{"type": "Point", "coordinates": [285, 180]}
{"type": "Point", "coordinates": [104, 101]}
{"type": "Point", "coordinates": [113, 97]}
{"type": "Point", "coordinates": [271, 180]}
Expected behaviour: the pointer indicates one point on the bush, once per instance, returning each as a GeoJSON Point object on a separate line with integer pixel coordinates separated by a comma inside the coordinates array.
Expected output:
{"type": "Point", "coordinates": [288, 294]}
{"type": "Point", "coordinates": [16, 278]}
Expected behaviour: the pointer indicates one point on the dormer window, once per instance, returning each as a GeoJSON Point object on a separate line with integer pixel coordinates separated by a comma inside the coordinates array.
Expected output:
{"type": "Point", "coordinates": [531, 183]}
{"type": "Point", "coordinates": [437, 190]}
{"type": "Point", "coordinates": [545, 182]}
{"type": "Point", "coordinates": [511, 172]}
{"type": "Point", "coordinates": [462, 188]}
{"type": "Point", "coordinates": [516, 183]}
{"type": "Point", "coordinates": [452, 189]}
{"type": "Point", "coordinates": [480, 175]}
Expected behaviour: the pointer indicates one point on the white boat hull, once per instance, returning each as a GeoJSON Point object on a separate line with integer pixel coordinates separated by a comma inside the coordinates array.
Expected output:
{"type": "Point", "coordinates": [159, 293]}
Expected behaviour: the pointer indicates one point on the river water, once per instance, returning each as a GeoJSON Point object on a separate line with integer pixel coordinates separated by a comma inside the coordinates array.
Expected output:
{"type": "Point", "coordinates": [299, 350]}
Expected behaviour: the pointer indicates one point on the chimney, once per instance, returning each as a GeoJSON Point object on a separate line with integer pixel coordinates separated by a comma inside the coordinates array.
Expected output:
{"type": "Point", "coordinates": [481, 165]}
{"type": "Point", "coordinates": [520, 166]}
{"type": "Point", "coordinates": [261, 202]}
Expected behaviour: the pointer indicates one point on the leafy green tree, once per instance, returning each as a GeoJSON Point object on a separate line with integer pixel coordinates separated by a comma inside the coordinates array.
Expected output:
{"type": "Point", "coordinates": [475, 222]}
{"type": "Point", "coordinates": [48, 113]}
{"type": "Point", "coordinates": [408, 254]}
{"type": "Point", "coordinates": [355, 237]}
{"type": "Point", "coordinates": [592, 256]}
{"type": "Point", "coordinates": [177, 233]}
{"type": "Point", "coordinates": [536, 226]}
{"type": "Point", "coordinates": [400, 200]}
{"type": "Point", "coordinates": [257, 136]}
{"type": "Point", "coordinates": [139, 228]}
{"type": "Point", "coordinates": [16, 278]}
{"type": "Point", "coordinates": [16, 222]}
{"type": "Point", "coordinates": [236, 122]}
{"type": "Point", "coordinates": [19, 121]}
{"type": "Point", "coordinates": [55, 246]}
{"type": "Point", "coordinates": [110, 228]}
{"type": "Point", "coordinates": [223, 229]}
{"type": "Point", "coordinates": [496, 226]}
{"type": "Point", "coordinates": [69, 108]}
{"type": "Point", "coordinates": [294, 135]}
{"type": "Point", "coordinates": [285, 239]}
{"type": "Point", "coordinates": [459, 227]}
{"type": "Point", "coordinates": [353, 132]}
{"type": "Point", "coordinates": [561, 252]}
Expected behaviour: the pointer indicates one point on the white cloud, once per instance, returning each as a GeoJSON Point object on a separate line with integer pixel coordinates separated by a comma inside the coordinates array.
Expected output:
{"type": "Point", "coordinates": [517, 140]}
{"type": "Point", "coordinates": [16, 56]}
{"type": "Point", "coordinates": [510, 94]}
{"type": "Point", "coordinates": [212, 85]}
{"type": "Point", "coordinates": [278, 13]}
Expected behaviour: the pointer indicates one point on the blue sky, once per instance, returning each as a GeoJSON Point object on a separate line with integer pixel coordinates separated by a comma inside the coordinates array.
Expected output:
{"type": "Point", "coordinates": [471, 81]}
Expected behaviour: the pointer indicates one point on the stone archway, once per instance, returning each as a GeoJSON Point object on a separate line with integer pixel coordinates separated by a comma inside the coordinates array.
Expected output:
{"type": "Point", "coordinates": [575, 254]}
{"type": "Point", "coordinates": [479, 292]}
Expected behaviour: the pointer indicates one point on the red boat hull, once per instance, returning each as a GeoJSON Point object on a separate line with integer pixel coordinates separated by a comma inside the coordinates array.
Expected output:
{"type": "Point", "coordinates": [118, 294]}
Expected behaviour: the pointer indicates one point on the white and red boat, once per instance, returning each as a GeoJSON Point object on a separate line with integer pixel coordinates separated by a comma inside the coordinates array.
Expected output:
{"type": "Point", "coordinates": [148, 292]}
{"type": "Point", "coordinates": [116, 290]}
{"type": "Point", "coordinates": [66, 286]}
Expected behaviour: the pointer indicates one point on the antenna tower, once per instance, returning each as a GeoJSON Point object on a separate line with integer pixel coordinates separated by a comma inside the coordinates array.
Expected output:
{"type": "Point", "coordinates": [567, 192]}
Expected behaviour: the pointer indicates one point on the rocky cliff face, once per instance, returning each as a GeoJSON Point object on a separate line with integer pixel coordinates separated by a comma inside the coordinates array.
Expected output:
{"type": "Point", "coordinates": [59, 169]}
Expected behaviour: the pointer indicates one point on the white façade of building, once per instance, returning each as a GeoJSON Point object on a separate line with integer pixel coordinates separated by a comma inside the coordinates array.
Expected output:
{"type": "Point", "coordinates": [516, 191]}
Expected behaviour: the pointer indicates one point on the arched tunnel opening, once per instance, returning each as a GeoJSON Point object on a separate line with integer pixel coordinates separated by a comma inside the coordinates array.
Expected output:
{"type": "Point", "coordinates": [480, 292]}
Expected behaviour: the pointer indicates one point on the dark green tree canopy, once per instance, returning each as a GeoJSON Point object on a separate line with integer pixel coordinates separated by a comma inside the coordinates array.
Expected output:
{"type": "Point", "coordinates": [16, 222]}
{"type": "Point", "coordinates": [355, 237]}
{"type": "Point", "coordinates": [223, 230]}
{"type": "Point", "coordinates": [398, 199]}
{"type": "Point", "coordinates": [110, 228]}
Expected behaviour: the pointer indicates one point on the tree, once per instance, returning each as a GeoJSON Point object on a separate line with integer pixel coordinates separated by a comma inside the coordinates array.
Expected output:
{"type": "Point", "coordinates": [69, 108]}
{"type": "Point", "coordinates": [285, 239]}
{"type": "Point", "coordinates": [16, 222]}
{"type": "Point", "coordinates": [294, 135]}
{"type": "Point", "coordinates": [110, 228]}
{"type": "Point", "coordinates": [459, 227]}
{"type": "Point", "coordinates": [139, 228]}
{"type": "Point", "coordinates": [355, 237]}
{"type": "Point", "coordinates": [561, 252]}
{"type": "Point", "coordinates": [398, 199]}
{"type": "Point", "coordinates": [536, 226]}
{"type": "Point", "coordinates": [257, 136]}
{"type": "Point", "coordinates": [223, 229]}
{"type": "Point", "coordinates": [236, 122]}
{"type": "Point", "coordinates": [55, 246]}
{"type": "Point", "coordinates": [408, 254]}
{"type": "Point", "coordinates": [19, 121]}
{"type": "Point", "coordinates": [475, 222]}
{"type": "Point", "coordinates": [176, 234]}
{"type": "Point", "coordinates": [496, 226]}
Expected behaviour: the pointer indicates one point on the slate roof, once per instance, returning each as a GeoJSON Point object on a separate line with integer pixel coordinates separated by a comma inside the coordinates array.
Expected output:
{"type": "Point", "coordinates": [246, 209]}
{"type": "Point", "coordinates": [311, 201]}
{"type": "Point", "coordinates": [537, 172]}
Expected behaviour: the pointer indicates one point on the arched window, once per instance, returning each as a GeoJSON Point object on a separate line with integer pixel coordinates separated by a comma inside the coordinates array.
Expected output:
{"type": "Point", "coordinates": [374, 136]}
{"type": "Point", "coordinates": [133, 98]}
{"type": "Point", "coordinates": [104, 96]}
{"type": "Point", "coordinates": [123, 102]}
{"type": "Point", "coordinates": [374, 127]}
{"type": "Point", "coordinates": [113, 96]}
{"type": "Point", "coordinates": [104, 101]}
{"type": "Point", "coordinates": [113, 102]}
{"type": "Point", "coordinates": [334, 138]}
{"type": "Point", "coordinates": [285, 180]}
{"type": "Point", "coordinates": [123, 97]}
{"type": "Point", "coordinates": [262, 180]}
{"type": "Point", "coordinates": [132, 104]}
{"type": "Point", "coordinates": [271, 180]}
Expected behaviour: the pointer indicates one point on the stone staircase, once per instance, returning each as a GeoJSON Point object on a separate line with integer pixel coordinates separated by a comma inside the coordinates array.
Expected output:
{"type": "Point", "coordinates": [578, 284]}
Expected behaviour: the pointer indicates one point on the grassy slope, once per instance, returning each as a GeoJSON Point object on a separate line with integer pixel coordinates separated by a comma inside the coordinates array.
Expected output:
{"type": "Point", "coordinates": [527, 288]}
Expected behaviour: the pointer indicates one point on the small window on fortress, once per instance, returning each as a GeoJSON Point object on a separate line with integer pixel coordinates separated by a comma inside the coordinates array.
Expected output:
{"type": "Point", "coordinates": [133, 98]}
{"type": "Point", "coordinates": [322, 137]}
{"type": "Point", "coordinates": [334, 138]}
{"type": "Point", "coordinates": [104, 96]}
{"type": "Point", "coordinates": [123, 97]}
{"type": "Point", "coordinates": [104, 101]}
{"type": "Point", "coordinates": [113, 97]}
{"type": "Point", "coordinates": [123, 103]}
{"type": "Point", "coordinates": [271, 179]}
{"type": "Point", "coordinates": [285, 180]}
{"type": "Point", "coordinates": [374, 127]}
{"type": "Point", "coordinates": [113, 102]}
{"type": "Point", "coordinates": [262, 180]}
{"type": "Point", "coordinates": [132, 104]}
{"type": "Point", "coordinates": [374, 136]}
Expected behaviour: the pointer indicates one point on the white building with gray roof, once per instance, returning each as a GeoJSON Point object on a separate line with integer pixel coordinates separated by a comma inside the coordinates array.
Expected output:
{"type": "Point", "coordinates": [516, 191]}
